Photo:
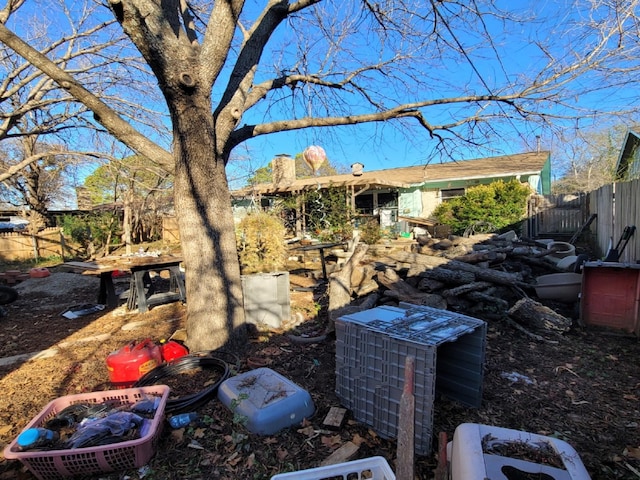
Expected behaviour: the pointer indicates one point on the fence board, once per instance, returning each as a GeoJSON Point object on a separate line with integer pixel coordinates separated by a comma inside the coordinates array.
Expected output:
{"type": "Point", "coordinates": [556, 214]}
{"type": "Point", "coordinates": [627, 213]}
{"type": "Point", "coordinates": [23, 246]}
{"type": "Point", "coordinates": [602, 205]}
{"type": "Point", "coordinates": [617, 207]}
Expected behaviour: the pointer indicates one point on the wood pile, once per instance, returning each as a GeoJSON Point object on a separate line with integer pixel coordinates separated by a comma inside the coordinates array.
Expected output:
{"type": "Point", "coordinates": [491, 277]}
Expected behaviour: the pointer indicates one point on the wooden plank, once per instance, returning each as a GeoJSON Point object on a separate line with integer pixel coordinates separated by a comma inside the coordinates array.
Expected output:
{"type": "Point", "coordinates": [79, 267]}
{"type": "Point", "coordinates": [335, 418]}
{"type": "Point", "coordinates": [407, 423]}
{"type": "Point", "coordinates": [418, 221]}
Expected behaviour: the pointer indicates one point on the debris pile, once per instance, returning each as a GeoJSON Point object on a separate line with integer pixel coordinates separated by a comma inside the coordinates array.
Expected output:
{"type": "Point", "coordinates": [492, 277]}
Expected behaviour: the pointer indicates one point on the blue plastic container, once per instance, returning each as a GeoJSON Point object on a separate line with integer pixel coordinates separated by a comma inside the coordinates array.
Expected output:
{"type": "Point", "coordinates": [269, 401]}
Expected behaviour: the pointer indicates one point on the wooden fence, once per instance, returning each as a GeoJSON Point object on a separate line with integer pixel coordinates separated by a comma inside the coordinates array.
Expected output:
{"type": "Point", "coordinates": [614, 206]}
{"type": "Point", "coordinates": [617, 206]}
{"type": "Point", "coordinates": [24, 246]}
{"type": "Point", "coordinates": [556, 215]}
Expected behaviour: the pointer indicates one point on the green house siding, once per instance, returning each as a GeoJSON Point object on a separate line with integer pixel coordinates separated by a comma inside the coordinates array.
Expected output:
{"type": "Point", "coordinates": [628, 167]}
{"type": "Point", "coordinates": [545, 179]}
{"type": "Point", "coordinates": [410, 202]}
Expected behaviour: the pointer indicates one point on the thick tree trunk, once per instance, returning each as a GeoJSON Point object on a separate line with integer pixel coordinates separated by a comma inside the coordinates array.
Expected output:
{"type": "Point", "coordinates": [215, 313]}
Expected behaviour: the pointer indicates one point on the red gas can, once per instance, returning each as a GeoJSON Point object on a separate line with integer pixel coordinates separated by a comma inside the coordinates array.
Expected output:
{"type": "Point", "coordinates": [172, 350]}
{"type": "Point", "coordinates": [39, 272]}
{"type": "Point", "coordinates": [132, 361]}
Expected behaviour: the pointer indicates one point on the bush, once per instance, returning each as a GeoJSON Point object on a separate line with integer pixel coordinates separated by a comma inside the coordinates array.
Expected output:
{"type": "Point", "coordinates": [260, 242]}
{"type": "Point", "coordinates": [370, 231]}
{"type": "Point", "coordinates": [328, 214]}
{"type": "Point", "coordinates": [494, 207]}
{"type": "Point", "coordinates": [92, 231]}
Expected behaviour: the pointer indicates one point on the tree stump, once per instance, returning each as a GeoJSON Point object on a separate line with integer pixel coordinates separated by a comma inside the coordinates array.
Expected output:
{"type": "Point", "coordinates": [539, 316]}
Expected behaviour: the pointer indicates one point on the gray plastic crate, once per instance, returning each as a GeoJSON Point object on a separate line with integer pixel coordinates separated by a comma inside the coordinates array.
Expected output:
{"type": "Point", "coordinates": [371, 348]}
{"type": "Point", "coordinates": [385, 417]}
{"type": "Point", "coordinates": [267, 300]}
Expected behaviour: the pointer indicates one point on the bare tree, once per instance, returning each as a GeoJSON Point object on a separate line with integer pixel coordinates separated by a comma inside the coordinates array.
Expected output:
{"type": "Point", "coordinates": [143, 193]}
{"type": "Point", "coordinates": [232, 70]}
{"type": "Point", "coordinates": [589, 160]}
{"type": "Point", "coordinates": [44, 132]}
{"type": "Point", "coordinates": [36, 188]}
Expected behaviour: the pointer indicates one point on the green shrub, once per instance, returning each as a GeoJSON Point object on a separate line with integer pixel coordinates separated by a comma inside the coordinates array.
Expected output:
{"type": "Point", "coordinates": [328, 214]}
{"type": "Point", "coordinates": [95, 229]}
{"type": "Point", "coordinates": [260, 242]}
{"type": "Point", "coordinates": [485, 207]}
{"type": "Point", "coordinates": [370, 231]}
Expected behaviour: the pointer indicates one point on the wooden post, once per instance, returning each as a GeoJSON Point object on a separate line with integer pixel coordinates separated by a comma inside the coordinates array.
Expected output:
{"type": "Point", "coordinates": [63, 246]}
{"type": "Point", "coordinates": [406, 423]}
{"type": "Point", "coordinates": [34, 244]}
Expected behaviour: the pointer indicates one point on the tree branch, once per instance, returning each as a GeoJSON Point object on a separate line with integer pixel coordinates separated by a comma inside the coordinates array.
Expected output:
{"type": "Point", "coordinates": [103, 114]}
{"type": "Point", "coordinates": [18, 167]}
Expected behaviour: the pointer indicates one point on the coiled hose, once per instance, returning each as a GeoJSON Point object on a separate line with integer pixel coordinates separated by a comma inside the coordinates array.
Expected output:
{"type": "Point", "coordinates": [180, 365]}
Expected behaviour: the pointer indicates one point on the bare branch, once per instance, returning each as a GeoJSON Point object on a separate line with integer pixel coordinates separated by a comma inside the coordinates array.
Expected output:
{"type": "Point", "coordinates": [103, 113]}
{"type": "Point", "coordinates": [18, 167]}
{"type": "Point", "coordinates": [10, 7]}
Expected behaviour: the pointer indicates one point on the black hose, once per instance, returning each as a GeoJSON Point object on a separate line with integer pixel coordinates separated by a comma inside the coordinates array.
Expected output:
{"type": "Point", "coordinates": [192, 401]}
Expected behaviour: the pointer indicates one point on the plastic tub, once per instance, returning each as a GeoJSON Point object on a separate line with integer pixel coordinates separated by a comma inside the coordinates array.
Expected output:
{"type": "Point", "coordinates": [269, 401]}
{"type": "Point", "coordinates": [373, 468]}
{"type": "Point", "coordinates": [564, 287]}
{"type": "Point", "coordinates": [563, 249]}
{"type": "Point", "coordinates": [471, 455]}
{"type": "Point", "coordinates": [59, 464]}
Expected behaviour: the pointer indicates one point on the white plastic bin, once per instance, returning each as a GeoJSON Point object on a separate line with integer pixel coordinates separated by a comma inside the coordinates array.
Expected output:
{"type": "Point", "coordinates": [469, 461]}
{"type": "Point", "coordinates": [372, 468]}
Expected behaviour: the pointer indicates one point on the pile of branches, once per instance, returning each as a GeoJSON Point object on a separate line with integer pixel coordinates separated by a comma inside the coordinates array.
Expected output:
{"type": "Point", "coordinates": [487, 276]}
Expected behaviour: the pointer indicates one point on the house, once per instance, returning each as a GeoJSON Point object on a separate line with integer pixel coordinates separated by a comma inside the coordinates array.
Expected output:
{"type": "Point", "coordinates": [405, 194]}
{"type": "Point", "coordinates": [628, 166]}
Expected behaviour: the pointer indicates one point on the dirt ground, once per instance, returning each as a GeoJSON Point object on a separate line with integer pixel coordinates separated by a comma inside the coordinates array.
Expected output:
{"type": "Point", "coordinates": [582, 387]}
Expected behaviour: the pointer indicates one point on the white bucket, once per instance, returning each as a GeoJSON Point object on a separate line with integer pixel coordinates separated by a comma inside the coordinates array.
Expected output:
{"type": "Point", "coordinates": [563, 249]}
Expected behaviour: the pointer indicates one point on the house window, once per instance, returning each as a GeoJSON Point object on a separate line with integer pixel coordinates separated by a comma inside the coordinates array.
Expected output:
{"type": "Point", "coordinates": [388, 200]}
{"type": "Point", "coordinates": [364, 204]}
{"type": "Point", "coordinates": [451, 193]}
{"type": "Point", "coordinates": [634, 166]}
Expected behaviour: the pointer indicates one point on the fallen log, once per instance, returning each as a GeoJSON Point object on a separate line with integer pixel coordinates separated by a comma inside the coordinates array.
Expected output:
{"type": "Point", "coordinates": [482, 256]}
{"type": "Point", "coordinates": [455, 277]}
{"type": "Point", "coordinates": [495, 302]}
{"type": "Point", "coordinates": [363, 275]}
{"type": "Point", "coordinates": [425, 299]}
{"type": "Point", "coordinates": [416, 270]}
{"type": "Point", "coordinates": [365, 288]}
{"type": "Point", "coordinates": [432, 262]}
{"type": "Point", "coordinates": [539, 316]}
{"type": "Point", "coordinates": [390, 279]}
{"type": "Point", "coordinates": [466, 288]}
{"type": "Point", "coordinates": [520, 328]}
{"type": "Point", "coordinates": [430, 285]}
{"type": "Point", "coordinates": [541, 263]}
{"type": "Point", "coordinates": [402, 291]}
{"type": "Point", "coordinates": [340, 284]}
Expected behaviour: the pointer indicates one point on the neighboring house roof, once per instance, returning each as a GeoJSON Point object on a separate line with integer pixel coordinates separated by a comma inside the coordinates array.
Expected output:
{"type": "Point", "coordinates": [628, 167]}
{"type": "Point", "coordinates": [405, 177]}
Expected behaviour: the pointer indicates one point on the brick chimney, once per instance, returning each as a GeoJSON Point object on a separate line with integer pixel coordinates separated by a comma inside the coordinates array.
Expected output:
{"type": "Point", "coordinates": [83, 199]}
{"type": "Point", "coordinates": [284, 169]}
